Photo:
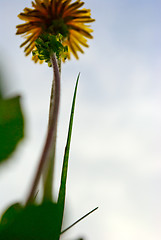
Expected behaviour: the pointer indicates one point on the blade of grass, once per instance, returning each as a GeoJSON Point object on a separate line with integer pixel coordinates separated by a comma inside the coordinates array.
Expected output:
{"type": "Point", "coordinates": [62, 190]}
{"type": "Point", "coordinates": [80, 219]}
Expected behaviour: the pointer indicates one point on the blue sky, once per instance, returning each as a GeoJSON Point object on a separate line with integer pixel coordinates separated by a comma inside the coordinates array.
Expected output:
{"type": "Point", "coordinates": [115, 160]}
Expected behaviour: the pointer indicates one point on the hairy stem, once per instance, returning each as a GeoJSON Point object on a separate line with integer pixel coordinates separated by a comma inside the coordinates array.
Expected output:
{"type": "Point", "coordinates": [51, 134]}
{"type": "Point", "coordinates": [48, 174]}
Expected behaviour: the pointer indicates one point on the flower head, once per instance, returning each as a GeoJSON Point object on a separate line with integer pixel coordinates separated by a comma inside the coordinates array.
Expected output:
{"type": "Point", "coordinates": [56, 17]}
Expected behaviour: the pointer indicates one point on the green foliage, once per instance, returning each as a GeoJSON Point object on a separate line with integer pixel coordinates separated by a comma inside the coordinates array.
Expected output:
{"type": "Point", "coordinates": [33, 222]}
{"type": "Point", "coordinates": [62, 191]}
{"type": "Point", "coordinates": [37, 222]}
{"type": "Point", "coordinates": [11, 126]}
{"type": "Point", "coordinates": [47, 44]}
{"type": "Point", "coordinates": [9, 215]}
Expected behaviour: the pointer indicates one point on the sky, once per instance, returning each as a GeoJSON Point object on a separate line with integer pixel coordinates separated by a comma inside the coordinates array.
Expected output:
{"type": "Point", "coordinates": [115, 157]}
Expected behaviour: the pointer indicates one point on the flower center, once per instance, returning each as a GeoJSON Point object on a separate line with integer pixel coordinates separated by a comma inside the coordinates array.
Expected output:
{"type": "Point", "coordinates": [57, 26]}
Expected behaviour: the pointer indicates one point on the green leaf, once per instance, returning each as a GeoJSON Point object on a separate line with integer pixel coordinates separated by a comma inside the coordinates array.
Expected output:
{"type": "Point", "coordinates": [11, 126]}
{"type": "Point", "coordinates": [9, 215]}
{"type": "Point", "coordinates": [62, 190]}
{"type": "Point", "coordinates": [33, 222]}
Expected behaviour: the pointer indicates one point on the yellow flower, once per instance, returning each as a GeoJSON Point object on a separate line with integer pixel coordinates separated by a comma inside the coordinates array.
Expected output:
{"type": "Point", "coordinates": [56, 17]}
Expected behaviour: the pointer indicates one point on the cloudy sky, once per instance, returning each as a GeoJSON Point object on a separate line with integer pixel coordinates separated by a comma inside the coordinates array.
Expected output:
{"type": "Point", "coordinates": [115, 159]}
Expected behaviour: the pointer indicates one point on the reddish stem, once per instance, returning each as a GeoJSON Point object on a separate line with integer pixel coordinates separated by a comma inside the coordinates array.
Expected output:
{"type": "Point", "coordinates": [45, 157]}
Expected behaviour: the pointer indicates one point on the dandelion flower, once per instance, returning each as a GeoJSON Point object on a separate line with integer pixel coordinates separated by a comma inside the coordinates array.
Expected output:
{"type": "Point", "coordinates": [56, 17]}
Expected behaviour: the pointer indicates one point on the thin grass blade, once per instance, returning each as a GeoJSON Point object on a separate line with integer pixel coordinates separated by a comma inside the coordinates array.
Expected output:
{"type": "Point", "coordinates": [62, 190]}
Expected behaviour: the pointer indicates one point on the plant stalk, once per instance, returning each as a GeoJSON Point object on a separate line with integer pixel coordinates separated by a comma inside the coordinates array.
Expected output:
{"type": "Point", "coordinates": [48, 173]}
{"type": "Point", "coordinates": [49, 147]}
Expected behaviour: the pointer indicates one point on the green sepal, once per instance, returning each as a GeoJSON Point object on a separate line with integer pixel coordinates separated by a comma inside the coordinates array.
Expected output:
{"type": "Point", "coordinates": [47, 44]}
